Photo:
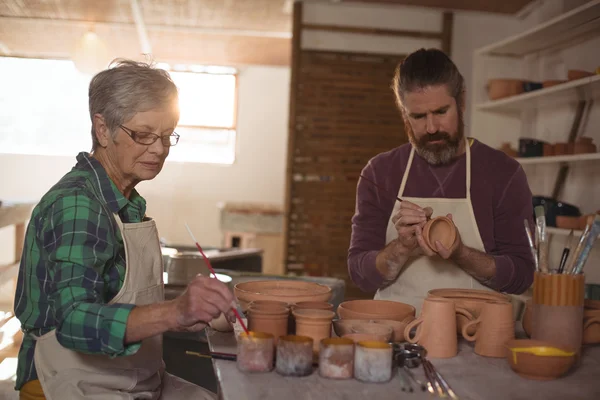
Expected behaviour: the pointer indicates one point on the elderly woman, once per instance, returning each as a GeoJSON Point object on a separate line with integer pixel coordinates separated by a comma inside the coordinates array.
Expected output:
{"type": "Point", "coordinates": [90, 291]}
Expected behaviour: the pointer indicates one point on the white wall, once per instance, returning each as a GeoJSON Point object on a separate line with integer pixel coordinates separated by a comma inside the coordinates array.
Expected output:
{"type": "Point", "coordinates": [190, 192]}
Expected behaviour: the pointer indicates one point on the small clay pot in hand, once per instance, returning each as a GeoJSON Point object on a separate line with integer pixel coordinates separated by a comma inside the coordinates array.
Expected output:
{"type": "Point", "coordinates": [440, 229]}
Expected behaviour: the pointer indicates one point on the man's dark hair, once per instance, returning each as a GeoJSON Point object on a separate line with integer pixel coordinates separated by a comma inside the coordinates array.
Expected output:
{"type": "Point", "coordinates": [428, 67]}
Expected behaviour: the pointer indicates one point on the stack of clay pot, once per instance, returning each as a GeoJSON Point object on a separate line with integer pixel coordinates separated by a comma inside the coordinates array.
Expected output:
{"type": "Point", "coordinates": [269, 316]}
{"type": "Point", "coordinates": [313, 323]}
{"type": "Point", "coordinates": [583, 145]}
{"type": "Point", "coordinates": [591, 321]}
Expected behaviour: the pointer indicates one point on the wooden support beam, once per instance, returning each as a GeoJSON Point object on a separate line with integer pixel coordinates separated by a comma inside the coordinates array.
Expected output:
{"type": "Point", "coordinates": [373, 31]}
{"type": "Point", "coordinates": [447, 25]}
{"type": "Point", "coordinates": [295, 67]}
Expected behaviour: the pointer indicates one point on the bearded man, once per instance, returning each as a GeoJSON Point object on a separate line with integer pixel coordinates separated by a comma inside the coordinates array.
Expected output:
{"type": "Point", "coordinates": [440, 172]}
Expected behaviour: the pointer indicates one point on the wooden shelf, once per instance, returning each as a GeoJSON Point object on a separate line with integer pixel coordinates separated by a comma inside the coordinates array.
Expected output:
{"type": "Point", "coordinates": [559, 159]}
{"type": "Point", "coordinates": [565, 93]}
{"type": "Point", "coordinates": [559, 31]}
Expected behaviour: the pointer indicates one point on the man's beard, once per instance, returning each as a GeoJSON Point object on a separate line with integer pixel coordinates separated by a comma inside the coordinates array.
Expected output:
{"type": "Point", "coordinates": [438, 153]}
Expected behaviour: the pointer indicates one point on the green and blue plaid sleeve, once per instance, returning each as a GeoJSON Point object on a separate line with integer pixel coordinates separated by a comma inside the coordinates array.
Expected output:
{"type": "Point", "coordinates": [78, 237]}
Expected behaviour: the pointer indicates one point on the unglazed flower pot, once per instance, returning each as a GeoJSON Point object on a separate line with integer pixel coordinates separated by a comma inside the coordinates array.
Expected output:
{"type": "Point", "coordinates": [315, 324]}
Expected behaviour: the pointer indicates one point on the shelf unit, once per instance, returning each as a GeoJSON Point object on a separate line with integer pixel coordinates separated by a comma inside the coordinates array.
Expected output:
{"type": "Point", "coordinates": [558, 113]}
{"type": "Point", "coordinates": [559, 159]}
{"type": "Point", "coordinates": [565, 93]}
{"type": "Point", "coordinates": [563, 30]}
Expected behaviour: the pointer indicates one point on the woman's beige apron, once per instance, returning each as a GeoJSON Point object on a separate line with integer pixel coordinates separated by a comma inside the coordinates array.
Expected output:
{"type": "Point", "coordinates": [67, 374]}
{"type": "Point", "coordinates": [421, 274]}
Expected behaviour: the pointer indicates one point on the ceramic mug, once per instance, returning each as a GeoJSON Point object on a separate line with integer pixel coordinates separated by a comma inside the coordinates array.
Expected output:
{"type": "Point", "coordinates": [591, 329]}
{"type": "Point", "coordinates": [436, 327]}
{"type": "Point", "coordinates": [495, 326]}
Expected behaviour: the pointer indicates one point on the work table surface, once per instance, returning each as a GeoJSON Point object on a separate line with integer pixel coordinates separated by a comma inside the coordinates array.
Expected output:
{"type": "Point", "coordinates": [471, 376]}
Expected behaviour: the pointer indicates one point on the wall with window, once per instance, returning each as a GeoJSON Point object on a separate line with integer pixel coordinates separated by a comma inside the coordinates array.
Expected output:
{"type": "Point", "coordinates": [183, 192]}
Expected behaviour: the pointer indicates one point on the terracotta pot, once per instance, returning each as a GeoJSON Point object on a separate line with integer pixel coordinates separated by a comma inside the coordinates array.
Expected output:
{"type": "Point", "coordinates": [501, 88]}
{"type": "Point", "coordinates": [287, 291]}
{"type": "Point", "coordinates": [561, 149]}
{"type": "Point", "coordinates": [527, 317]}
{"type": "Point", "coordinates": [575, 74]}
{"type": "Point", "coordinates": [550, 83]}
{"type": "Point", "coordinates": [312, 305]}
{"type": "Point", "coordinates": [538, 367]}
{"type": "Point", "coordinates": [471, 300]}
{"type": "Point", "coordinates": [269, 319]}
{"type": "Point", "coordinates": [507, 149]}
{"type": "Point", "coordinates": [315, 324]}
{"type": "Point", "coordinates": [591, 322]}
{"type": "Point", "coordinates": [495, 327]}
{"type": "Point", "coordinates": [565, 222]}
{"type": "Point", "coordinates": [548, 149]}
{"type": "Point", "coordinates": [584, 145]}
{"type": "Point", "coordinates": [436, 327]}
{"type": "Point", "coordinates": [375, 309]}
{"type": "Point", "coordinates": [439, 228]}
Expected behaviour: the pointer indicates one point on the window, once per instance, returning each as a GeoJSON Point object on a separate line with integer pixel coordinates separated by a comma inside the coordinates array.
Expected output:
{"type": "Point", "coordinates": [44, 110]}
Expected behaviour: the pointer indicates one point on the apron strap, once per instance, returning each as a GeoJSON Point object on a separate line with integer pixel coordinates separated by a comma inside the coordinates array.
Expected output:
{"type": "Point", "coordinates": [468, 180]}
{"type": "Point", "coordinates": [405, 176]}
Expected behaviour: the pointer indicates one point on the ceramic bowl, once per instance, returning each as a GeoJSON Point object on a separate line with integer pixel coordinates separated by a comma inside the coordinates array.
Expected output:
{"type": "Point", "coordinates": [287, 291]}
{"type": "Point", "coordinates": [574, 74]}
{"type": "Point", "coordinates": [397, 327]}
{"type": "Point", "coordinates": [343, 327]}
{"type": "Point", "coordinates": [365, 337]}
{"type": "Point", "coordinates": [439, 228]}
{"type": "Point", "coordinates": [374, 328]}
{"type": "Point", "coordinates": [538, 367]}
{"type": "Point", "coordinates": [501, 88]}
{"type": "Point", "coordinates": [552, 82]}
{"type": "Point", "coordinates": [375, 309]}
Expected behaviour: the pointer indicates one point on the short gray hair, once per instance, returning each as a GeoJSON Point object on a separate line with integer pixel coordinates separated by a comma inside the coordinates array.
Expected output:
{"type": "Point", "coordinates": [126, 88]}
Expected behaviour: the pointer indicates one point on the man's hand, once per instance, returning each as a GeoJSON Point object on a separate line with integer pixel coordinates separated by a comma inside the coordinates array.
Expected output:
{"type": "Point", "coordinates": [406, 220]}
{"type": "Point", "coordinates": [442, 251]}
{"type": "Point", "coordinates": [203, 300]}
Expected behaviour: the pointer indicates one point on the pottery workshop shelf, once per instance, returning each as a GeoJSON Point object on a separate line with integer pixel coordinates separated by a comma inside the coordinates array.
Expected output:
{"type": "Point", "coordinates": [581, 89]}
{"type": "Point", "coordinates": [577, 23]}
{"type": "Point", "coordinates": [559, 159]}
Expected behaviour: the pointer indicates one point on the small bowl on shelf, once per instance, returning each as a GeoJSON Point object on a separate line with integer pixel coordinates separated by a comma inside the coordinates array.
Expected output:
{"type": "Point", "coordinates": [539, 360]}
{"type": "Point", "coordinates": [575, 74]}
{"type": "Point", "coordinates": [501, 88]}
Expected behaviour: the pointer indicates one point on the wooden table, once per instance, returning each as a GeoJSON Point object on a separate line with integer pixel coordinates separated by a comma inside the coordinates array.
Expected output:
{"type": "Point", "coordinates": [470, 376]}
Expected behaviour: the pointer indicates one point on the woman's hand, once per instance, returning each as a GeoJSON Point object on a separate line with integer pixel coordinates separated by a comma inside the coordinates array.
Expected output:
{"type": "Point", "coordinates": [203, 300]}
